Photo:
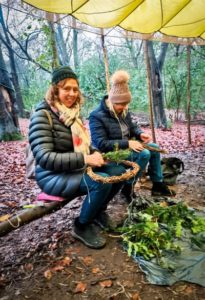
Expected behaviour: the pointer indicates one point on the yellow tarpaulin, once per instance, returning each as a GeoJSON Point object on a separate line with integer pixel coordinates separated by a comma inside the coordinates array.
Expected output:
{"type": "Point", "coordinates": [179, 18]}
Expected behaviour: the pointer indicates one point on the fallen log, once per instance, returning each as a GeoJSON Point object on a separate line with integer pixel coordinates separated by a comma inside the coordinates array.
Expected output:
{"type": "Point", "coordinates": [27, 215]}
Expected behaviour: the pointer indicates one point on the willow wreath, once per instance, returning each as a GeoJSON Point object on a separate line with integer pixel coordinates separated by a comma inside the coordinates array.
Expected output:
{"type": "Point", "coordinates": [114, 179]}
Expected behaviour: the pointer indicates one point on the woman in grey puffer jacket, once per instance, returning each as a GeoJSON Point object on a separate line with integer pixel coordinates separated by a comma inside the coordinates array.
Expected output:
{"type": "Point", "coordinates": [62, 151]}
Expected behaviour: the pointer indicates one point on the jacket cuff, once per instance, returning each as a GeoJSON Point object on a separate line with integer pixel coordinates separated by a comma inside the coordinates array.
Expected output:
{"type": "Point", "coordinates": [124, 144]}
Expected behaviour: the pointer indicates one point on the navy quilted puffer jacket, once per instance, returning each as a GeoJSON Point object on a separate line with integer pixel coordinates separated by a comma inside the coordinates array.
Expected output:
{"type": "Point", "coordinates": [106, 131]}
{"type": "Point", "coordinates": [59, 169]}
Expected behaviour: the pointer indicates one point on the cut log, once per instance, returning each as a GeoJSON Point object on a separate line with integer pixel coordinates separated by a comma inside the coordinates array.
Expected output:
{"type": "Point", "coordinates": [27, 215]}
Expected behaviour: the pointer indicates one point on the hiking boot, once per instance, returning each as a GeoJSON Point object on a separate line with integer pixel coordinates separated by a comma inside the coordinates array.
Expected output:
{"type": "Point", "coordinates": [88, 234]}
{"type": "Point", "coordinates": [104, 221]}
{"type": "Point", "coordinates": [161, 189]}
{"type": "Point", "coordinates": [128, 193]}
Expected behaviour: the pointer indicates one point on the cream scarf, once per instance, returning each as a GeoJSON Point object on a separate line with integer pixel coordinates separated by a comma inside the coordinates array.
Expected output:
{"type": "Point", "coordinates": [71, 118]}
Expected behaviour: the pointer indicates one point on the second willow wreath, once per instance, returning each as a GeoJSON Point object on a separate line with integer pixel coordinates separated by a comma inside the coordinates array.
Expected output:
{"type": "Point", "coordinates": [114, 179]}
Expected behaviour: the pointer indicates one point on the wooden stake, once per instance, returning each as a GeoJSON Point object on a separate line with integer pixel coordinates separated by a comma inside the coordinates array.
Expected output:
{"type": "Point", "coordinates": [105, 60]}
{"type": "Point", "coordinates": [188, 93]}
{"type": "Point", "coordinates": [149, 89]}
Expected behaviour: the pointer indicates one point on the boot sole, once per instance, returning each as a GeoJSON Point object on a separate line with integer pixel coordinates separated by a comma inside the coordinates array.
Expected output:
{"type": "Point", "coordinates": [85, 242]}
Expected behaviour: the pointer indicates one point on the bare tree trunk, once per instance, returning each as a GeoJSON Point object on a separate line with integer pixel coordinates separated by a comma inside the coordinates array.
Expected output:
{"type": "Point", "coordinates": [8, 114]}
{"type": "Point", "coordinates": [63, 53]}
{"type": "Point", "coordinates": [19, 99]}
{"type": "Point", "coordinates": [75, 45]}
{"type": "Point", "coordinates": [178, 98]}
{"type": "Point", "coordinates": [134, 55]}
{"type": "Point", "coordinates": [105, 61]}
{"type": "Point", "coordinates": [7, 126]}
{"type": "Point", "coordinates": [55, 61]}
{"type": "Point", "coordinates": [188, 94]}
{"type": "Point", "coordinates": [157, 87]}
{"type": "Point", "coordinates": [149, 89]}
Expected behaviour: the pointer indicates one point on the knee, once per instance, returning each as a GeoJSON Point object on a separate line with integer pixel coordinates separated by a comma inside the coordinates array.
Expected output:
{"type": "Point", "coordinates": [153, 145]}
{"type": "Point", "coordinates": [155, 153]}
{"type": "Point", "coordinates": [101, 186]}
{"type": "Point", "coordinates": [118, 170]}
{"type": "Point", "coordinates": [145, 155]}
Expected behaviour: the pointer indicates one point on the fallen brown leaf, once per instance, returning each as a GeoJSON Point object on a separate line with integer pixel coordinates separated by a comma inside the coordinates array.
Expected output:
{"type": "Point", "coordinates": [28, 267]}
{"type": "Point", "coordinates": [80, 288]}
{"type": "Point", "coordinates": [4, 218]}
{"type": "Point", "coordinates": [88, 260]}
{"type": "Point", "coordinates": [95, 270]}
{"type": "Point", "coordinates": [57, 268]}
{"type": "Point", "coordinates": [180, 288]}
{"type": "Point", "coordinates": [66, 261]}
{"type": "Point", "coordinates": [3, 280]}
{"type": "Point", "coordinates": [106, 283]}
{"type": "Point", "coordinates": [189, 290]}
{"type": "Point", "coordinates": [10, 204]}
{"type": "Point", "coordinates": [135, 296]}
{"type": "Point", "coordinates": [128, 283]}
{"type": "Point", "coordinates": [48, 274]}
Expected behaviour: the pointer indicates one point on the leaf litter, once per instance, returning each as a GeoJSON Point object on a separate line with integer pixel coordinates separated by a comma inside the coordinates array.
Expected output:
{"type": "Point", "coordinates": [41, 260]}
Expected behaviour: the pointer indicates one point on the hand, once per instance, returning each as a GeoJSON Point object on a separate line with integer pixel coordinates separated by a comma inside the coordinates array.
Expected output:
{"type": "Point", "coordinates": [146, 138]}
{"type": "Point", "coordinates": [135, 146]}
{"type": "Point", "coordinates": [94, 160]}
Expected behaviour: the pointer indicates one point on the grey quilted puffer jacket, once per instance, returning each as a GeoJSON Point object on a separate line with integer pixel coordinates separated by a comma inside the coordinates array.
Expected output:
{"type": "Point", "coordinates": [59, 169]}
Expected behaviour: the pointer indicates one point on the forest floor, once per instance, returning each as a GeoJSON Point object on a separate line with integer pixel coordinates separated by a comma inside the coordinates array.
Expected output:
{"type": "Point", "coordinates": [41, 260]}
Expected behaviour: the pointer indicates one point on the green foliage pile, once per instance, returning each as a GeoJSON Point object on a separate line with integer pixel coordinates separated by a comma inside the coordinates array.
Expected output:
{"type": "Point", "coordinates": [156, 229]}
{"type": "Point", "coordinates": [117, 155]}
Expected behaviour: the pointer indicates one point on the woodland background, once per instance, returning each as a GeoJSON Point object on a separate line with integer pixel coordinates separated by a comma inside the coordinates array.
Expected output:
{"type": "Point", "coordinates": [30, 46]}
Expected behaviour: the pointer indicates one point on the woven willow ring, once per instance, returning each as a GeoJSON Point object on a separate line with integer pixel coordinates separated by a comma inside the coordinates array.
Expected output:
{"type": "Point", "coordinates": [114, 179]}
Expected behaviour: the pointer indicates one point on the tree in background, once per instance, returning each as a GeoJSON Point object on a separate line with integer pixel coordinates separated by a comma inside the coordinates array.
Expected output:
{"type": "Point", "coordinates": [175, 79]}
{"type": "Point", "coordinates": [14, 76]}
{"type": "Point", "coordinates": [156, 65]}
{"type": "Point", "coordinates": [9, 126]}
{"type": "Point", "coordinates": [33, 43]}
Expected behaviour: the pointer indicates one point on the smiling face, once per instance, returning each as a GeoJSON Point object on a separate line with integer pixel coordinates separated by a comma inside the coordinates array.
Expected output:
{"type": "Point", "coordinates": [68, 92]}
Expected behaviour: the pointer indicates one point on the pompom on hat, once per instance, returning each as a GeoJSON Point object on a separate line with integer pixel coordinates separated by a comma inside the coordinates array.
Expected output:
{"type": "Point", "coordinates": [62, 73]}
{"type": "Point", "coordinates": [119, 92]}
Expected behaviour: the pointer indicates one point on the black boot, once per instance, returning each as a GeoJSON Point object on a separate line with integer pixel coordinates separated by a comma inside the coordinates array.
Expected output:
{"type": "Point", "coordinates": [88, 234]}
{"type": "Point", "coordinates": [128, 193]}
{"type": "Point", "coordinates": [161, 189]}
{"type": "Point", "coordinates": [104, 221]}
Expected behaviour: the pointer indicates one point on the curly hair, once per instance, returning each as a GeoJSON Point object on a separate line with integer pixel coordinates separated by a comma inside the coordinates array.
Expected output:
{"type": "Point", "coordinates": [51, 95]}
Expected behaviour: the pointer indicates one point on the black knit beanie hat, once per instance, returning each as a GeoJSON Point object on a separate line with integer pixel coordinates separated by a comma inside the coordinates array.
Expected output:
{"type": "Point", "coordinates": [62, 73]}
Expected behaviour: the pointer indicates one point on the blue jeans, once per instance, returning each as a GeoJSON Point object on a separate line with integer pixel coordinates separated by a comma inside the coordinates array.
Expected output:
{"type": "Point", "coordinates": [142, 159]}
{"type": "Point", "coordinates": [98, 194]}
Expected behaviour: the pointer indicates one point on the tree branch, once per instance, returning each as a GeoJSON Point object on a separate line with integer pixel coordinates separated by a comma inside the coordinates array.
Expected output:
{"type": "Point", "coordinates": [28, 57]}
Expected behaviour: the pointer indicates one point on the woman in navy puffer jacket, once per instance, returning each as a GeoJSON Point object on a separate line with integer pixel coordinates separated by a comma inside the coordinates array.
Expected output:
{"type": "Point", "coordinates": [111, 124]}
